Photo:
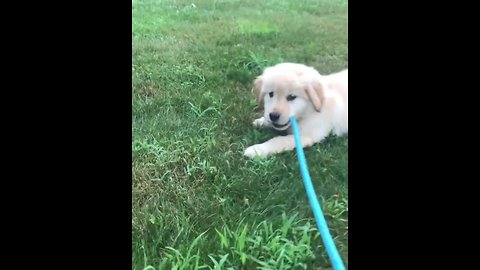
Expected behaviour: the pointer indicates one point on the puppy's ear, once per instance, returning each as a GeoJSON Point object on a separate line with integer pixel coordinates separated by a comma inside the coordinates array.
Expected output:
{"type": "Point", "coordinates": [257, 90]}
{"type": "Point", "coordinates": [315, 91]}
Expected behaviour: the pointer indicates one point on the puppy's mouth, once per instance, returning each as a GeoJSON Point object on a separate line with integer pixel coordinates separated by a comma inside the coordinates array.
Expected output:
{"type": "Point", "coordinates": [281, 127]}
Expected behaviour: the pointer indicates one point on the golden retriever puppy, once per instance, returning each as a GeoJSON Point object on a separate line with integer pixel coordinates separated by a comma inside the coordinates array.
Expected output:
{"type": "Point", "coordinates": [319, 103]}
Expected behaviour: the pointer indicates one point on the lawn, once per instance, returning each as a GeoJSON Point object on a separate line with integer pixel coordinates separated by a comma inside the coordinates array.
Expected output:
{"type": "Point", "coordinates": [197, 202]}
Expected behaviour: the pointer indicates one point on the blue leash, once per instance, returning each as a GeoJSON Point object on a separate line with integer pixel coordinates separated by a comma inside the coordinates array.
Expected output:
{"type": "Point", "coordinates": [332, 251]}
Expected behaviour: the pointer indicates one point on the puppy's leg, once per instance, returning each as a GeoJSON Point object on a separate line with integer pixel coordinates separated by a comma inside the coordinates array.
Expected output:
{"type": "Point", "coordinates": [276, 145]}
{"type": "Point", "coordinates": [286, 143]}
{"type": "Point", "coordinates": [260, 123]}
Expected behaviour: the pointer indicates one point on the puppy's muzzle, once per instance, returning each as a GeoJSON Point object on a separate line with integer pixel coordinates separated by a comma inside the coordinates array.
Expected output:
{"type": "Point", "coordinates": [281, 127]}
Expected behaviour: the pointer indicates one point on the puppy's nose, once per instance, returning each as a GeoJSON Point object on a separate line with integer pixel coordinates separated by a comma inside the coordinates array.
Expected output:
{"type": "Point", "coordinates": [274, 116]}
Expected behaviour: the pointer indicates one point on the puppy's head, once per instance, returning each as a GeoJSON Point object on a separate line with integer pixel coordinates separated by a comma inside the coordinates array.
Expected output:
{"type": "Point", "coordinates": [288, 89]}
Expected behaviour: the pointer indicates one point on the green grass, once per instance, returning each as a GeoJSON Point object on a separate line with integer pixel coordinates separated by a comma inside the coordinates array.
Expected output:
{"type": "Point", "coordinates": [197, 202]}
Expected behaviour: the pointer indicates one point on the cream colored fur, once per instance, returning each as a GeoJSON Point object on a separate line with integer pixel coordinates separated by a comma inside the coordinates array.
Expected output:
{"type": "Point", "coordinates": [318, 102]}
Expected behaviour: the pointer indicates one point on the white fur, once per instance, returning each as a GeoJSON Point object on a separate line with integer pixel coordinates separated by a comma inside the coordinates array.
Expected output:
{"type": "Point", "coordinates": [315, 122]}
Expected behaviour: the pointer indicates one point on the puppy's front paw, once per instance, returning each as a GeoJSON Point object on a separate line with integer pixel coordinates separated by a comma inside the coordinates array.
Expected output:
{"type": "Point", "coordinates": [256, 150]}
{"type": "Point", "coordinates": [260, 122]}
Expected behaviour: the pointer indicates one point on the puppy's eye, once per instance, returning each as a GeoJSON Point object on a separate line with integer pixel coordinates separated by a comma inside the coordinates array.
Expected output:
{"type": "Point", "coordinates": [270, 94]}
{"type": "Point", "coordinates": [291, 97]}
